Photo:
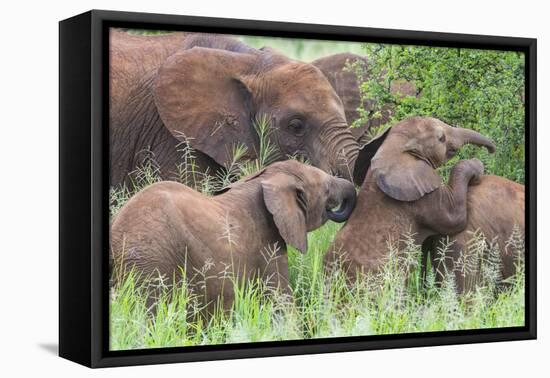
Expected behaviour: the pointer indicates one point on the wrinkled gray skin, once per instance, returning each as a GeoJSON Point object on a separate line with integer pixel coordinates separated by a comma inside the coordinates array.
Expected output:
{"type": "Point", "coordinates": [168, 228]}
{"type": "Point", "coordinates": [207, 90]}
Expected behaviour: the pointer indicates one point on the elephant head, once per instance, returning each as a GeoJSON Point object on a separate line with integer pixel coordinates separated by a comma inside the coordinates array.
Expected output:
{"type": "Point", "coordinates": [302, 198]}
{"type": "Point", "coordinates": [212, 96]}
{"type": "Point", "coordinates": [403, 159]}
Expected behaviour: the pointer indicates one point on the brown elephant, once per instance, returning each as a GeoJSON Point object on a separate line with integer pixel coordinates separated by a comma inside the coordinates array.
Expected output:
{"type": "Point", "coordinates": [167, 227]}
{"type": "Point", "coordinates": [496, 214]}
{"type": "Point", "coordinates": [208, 91]}
{"type": "Point", "coordinates": [403, 194]}
{"type": "Point", "coordinates": [340, 70]}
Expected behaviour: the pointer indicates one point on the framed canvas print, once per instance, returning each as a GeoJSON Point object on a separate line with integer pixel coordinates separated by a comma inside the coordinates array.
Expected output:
{"type": "Point", "coordinates": [234, 188]}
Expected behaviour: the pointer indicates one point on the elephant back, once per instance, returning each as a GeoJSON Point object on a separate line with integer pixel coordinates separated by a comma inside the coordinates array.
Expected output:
{"type": "Point", "coordinates": [134, 59]}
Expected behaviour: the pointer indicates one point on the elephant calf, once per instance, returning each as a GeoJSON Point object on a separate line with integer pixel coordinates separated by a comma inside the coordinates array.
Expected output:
{"type": "Point", "coordinates": [168, 228]}
{"type": "Point", "coordinates": [402, 193]}
{"type": "Point", "coordinates": [496, 208]}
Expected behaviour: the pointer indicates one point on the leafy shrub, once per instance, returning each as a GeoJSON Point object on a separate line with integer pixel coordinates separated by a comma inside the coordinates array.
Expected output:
{"type": "Point", "coordinates": [482, 90]}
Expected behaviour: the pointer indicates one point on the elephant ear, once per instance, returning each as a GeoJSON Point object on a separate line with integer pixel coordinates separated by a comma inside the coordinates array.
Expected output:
{"type": "Point", "coordinates": [239, 183]}
{"type": "Point", "coordinates": [364, 158]}
{"type": "Point", "coordinates": [285, 200]}
{"type": "Point", "coordinates": [202, 97]}
{"type": "Point", "coordinates": [400, 172]}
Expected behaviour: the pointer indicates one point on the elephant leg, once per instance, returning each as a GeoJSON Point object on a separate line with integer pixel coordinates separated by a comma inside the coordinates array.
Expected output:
{"type": "Point", "coordinates": [275, 274]}
{"type": "Point", "coordinates": [439, 265]}
{"type": "Point", "coordinates": [461, 274]}
{"type": "Point", "coordinates": [210, 296]}
{"type": "Point", "coordinates": [446, 262]}
{"type": "Point", "coordinates": [428, 249]}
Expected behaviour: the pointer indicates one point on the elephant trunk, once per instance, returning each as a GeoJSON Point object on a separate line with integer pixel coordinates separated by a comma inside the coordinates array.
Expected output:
{"type": "Point", "coordinates": [342, 149]}
{"type": "Point", "coordinates": [345, 198]}
{"type": "Point", "coordinates": [468, 136]}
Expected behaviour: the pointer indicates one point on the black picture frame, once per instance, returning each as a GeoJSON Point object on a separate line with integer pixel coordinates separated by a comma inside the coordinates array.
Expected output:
{"type": "Point", "coordinates": [83, 181]}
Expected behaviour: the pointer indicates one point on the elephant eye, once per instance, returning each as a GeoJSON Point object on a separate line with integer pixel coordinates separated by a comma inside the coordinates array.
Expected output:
{"type": "Point", "coordinates": [442, 138]}
{"type": "Point", "coordinates": [297, 127]}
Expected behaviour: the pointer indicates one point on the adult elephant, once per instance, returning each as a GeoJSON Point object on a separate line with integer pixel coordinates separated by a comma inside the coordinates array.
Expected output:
{"type": "Point", "coordinates": [341, 70]}
{"type": "Point", "coordinates": [208, 90]}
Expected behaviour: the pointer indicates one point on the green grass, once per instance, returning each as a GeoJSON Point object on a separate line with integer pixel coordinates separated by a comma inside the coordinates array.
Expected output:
{"type": "Point", "coordinates": [322, 303]}
{"type": "Point", "coordinates": [322, 306]}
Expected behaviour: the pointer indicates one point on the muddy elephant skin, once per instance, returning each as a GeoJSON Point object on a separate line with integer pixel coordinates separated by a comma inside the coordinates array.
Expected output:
{"type": "Point", "coordinates": [403, 194]}
{"type": "Point", "coordinates": [209, 91]}
{"type": "Point", "coordinates": [496, 213]}
{"type": "Point", "coordinates": [168, 230]}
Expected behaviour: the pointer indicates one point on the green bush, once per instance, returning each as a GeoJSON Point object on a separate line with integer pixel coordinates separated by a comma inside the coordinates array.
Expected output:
{"type": "Point", "coordinates": [478, 89]}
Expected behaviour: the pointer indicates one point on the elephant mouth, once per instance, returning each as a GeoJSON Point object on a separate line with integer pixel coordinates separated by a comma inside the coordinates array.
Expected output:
{"type": "Point", "coordinates": [336, 173]}
{"type": "Point", "coordinates": [451, 152]}
{"type": "Point", "coordinates": [300, 155]}
{"type": "Point", "coordinates": [340, 173]}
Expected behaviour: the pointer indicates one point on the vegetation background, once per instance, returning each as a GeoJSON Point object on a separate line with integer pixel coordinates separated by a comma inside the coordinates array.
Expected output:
{"type": "Point", "coordinates": [478, 89]}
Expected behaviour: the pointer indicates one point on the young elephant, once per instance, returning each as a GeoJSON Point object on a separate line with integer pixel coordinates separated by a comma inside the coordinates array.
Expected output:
{"type": "Point", "coordinates": [168, 228]}
{"type": "Point", "coordinates": [402, 193]}
{"type": "Point", "coordinates": [497, 226]}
